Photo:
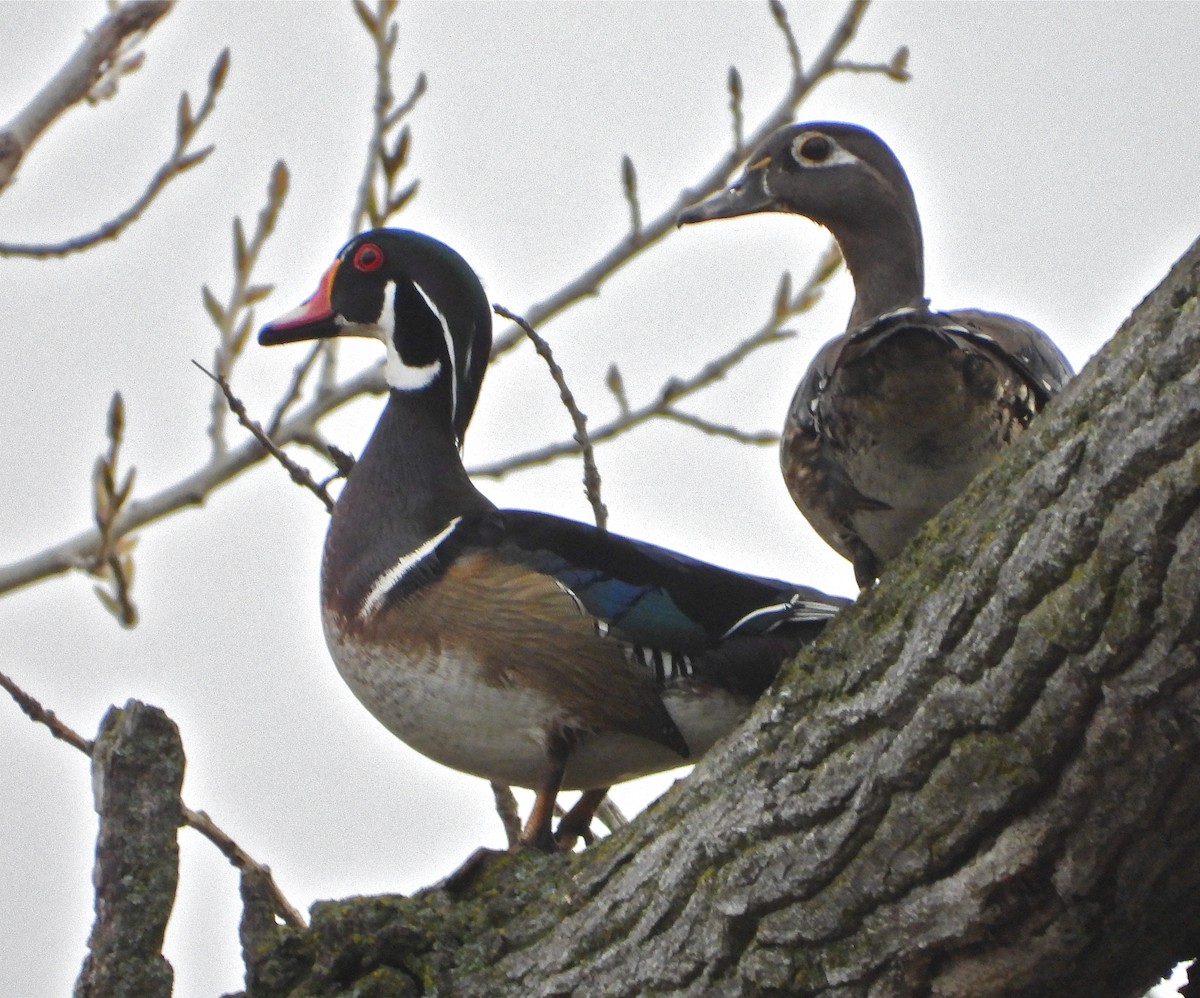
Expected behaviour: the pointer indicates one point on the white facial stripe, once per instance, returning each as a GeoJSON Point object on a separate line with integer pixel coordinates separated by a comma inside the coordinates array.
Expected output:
{"type": "Point", "coordinates": [397, 373]}
{"type": "Point", "coordinates": [387, 318]}
{"type": "Point", "coordinates": [383, 585]}
{"type": "Point", "coordinates": [449, 350]}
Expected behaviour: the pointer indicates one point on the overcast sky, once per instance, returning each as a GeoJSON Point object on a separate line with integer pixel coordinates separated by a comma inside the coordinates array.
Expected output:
{"type": "Point", "coordinates": [1055, 156]}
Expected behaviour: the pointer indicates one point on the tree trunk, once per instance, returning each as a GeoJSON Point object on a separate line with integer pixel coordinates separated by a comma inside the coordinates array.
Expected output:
{"type": "Point", "coordinates": [982, 781]}
{"type": "Point", "coordinates": [137, 772]}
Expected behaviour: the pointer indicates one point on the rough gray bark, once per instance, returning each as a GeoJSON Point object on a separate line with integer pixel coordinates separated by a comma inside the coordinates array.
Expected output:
{"type": "Point", "coordinates": [981, 782]}
{"type": "Point", "coordinates": [137, 773]}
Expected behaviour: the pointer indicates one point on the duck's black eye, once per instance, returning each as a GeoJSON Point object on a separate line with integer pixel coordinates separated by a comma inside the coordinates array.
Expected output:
{"type": "Point", "coordinates": [813, 149]}
{"type": "Point", "coordinates": [367, 257]}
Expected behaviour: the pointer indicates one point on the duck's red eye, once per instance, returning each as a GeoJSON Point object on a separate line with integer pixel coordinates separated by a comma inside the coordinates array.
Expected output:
{"type": "Point", "coordinates": [368, 257]}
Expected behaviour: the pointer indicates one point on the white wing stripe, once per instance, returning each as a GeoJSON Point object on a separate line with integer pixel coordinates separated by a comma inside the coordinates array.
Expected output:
{"type": "Point", "coordinates": [383, 585]}
{"type": "Point", "coordinates": [794, 610]}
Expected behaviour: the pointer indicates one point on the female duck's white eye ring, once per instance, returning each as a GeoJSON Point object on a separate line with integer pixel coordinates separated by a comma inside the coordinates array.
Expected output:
{"type": "Point", "coordinates": [812, 148]}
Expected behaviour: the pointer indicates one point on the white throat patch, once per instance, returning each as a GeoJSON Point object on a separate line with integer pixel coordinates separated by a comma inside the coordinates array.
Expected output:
{"type": "Point", "coordinates": [398, 374]}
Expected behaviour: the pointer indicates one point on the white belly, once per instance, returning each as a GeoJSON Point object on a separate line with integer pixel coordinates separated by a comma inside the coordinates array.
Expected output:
{"type": "Point", "coordinates": [440, 706]}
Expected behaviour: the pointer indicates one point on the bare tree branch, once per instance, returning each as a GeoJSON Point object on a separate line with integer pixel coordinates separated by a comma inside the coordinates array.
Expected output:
{"type": "Point", "coordinates": [301, 426]}
{"type": "Point", "coordinates": [244, 862]}
{"type": "Point", "coordinates": [588, 283]}
{"type": "Point", "coordinates": [192, 490]}
{"type": "Point", "coordinates": [180, 160]}
{"type": "Point", "coordinates": [113, 561]}
{"type": "Point", "coordinates": [103, 57]}
{"type": "Point", "coordinates": [300, 475]}
{"type": "Point", "coordinates": [629, 185]}
{"type": "Point", "coordinates": [735, 105]}
{"type": "Point", "coordinates": [235, 320]}
{"type": "Point", "coordinates": [896, 70]}
{"type": "Point", "coordinates": [785, 306]}
{"type": "Point", "coordinates": [36, 712]}
{"type": "Point", "coordinates": [591, 474]}
{"type": "Point", "coordinates": [374, 207]}
{"type": "Point", "coordinates": [293, 393]}
{"type": "Point", "coordinates": [761, 438]}
{"type": "Point", "coordinates": [779, 12]}
{"type": "Point", "coordinates": [198, 820]}
{"type": "Point", "coordinates": [386, 155]}
{"type": "Point", "coordinates": [506, 807]}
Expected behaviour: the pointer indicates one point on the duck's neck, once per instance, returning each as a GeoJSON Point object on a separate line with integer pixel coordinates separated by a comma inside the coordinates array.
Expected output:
{"type": "Point", "coordinates": [886, 261]}
{"type": "Point", "coordinates": [406, 487]}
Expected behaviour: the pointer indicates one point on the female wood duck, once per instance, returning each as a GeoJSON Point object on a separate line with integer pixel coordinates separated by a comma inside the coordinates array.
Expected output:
{"type": "Point", "coordinates": [894, 417]}
{"type": "Point", "coordinates": [517, 646]}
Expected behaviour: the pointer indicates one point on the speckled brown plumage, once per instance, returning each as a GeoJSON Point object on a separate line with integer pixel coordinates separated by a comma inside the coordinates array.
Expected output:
{"type": "Point", "coordinates": [895, 416]}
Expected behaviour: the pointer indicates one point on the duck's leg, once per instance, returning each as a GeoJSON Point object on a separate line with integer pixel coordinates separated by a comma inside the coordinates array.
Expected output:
{"type": "Point", "coordinates": [577, 822]}
{"type": "Point", "coordinates": [537, 833]}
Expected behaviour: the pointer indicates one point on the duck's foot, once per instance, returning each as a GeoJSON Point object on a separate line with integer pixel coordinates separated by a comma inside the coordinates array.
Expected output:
{"type": "Point", "coordinates": [536, 836]}
{"type": "Point", "coordinates": [576, 824]}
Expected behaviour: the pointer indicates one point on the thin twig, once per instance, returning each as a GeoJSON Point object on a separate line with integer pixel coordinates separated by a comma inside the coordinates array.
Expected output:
{"type": "Point", "coordinates": [671, 391]}
{"type": "Point", "coordinates": [235, 320]}
{"type": "Point", "coordinates": [382, 164]}
{"type": "Point", "coordinates": [588, 283]}
{"type": "Point", "coordinates": [113, 561]}
{"type": "Point", "coordinates": [615, 383]}
{"type": "Point", "coordinates": [896, 70]}
{"type": "Point", "coordinates": [104, 57]}
{"type": "Point", "coordinates": [762, 438]}
{"type": "Point", "coordinates": [194, 819]}
{"type": "Point", "coordinates": [180, 160]}
{"type": "Point", "coordinates": [404, 108]}
{"type": "Point", "coordinates": [244, 862]}
{"type": "Point", "coordinates": [506, 807]}
{"type": "Point", "coordinates": [786, 305]}
{"type": "Point", "coordinates": [36, 712]}
{"type": "Point", "coordinates": [735, 105]}
{"type": "Point", "coordinates": [779, 12]}
{"type": "Point", "coordinates": [78, 552]}
{"type": "Point", "coordinates": [610, 816]}
{"type": "Point", "coordinates": [629, 185]}
{"type": "Point", "coordinates": [591, 475]}
{"type": "Point", "coordinates": [300, 475]}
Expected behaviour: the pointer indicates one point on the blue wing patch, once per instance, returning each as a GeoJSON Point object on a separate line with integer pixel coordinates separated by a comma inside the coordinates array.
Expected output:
{"type": "Point", "coordinates": [639, 613]}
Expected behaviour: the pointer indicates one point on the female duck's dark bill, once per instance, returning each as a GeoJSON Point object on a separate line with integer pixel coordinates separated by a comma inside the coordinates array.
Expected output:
{"type": "Point", "coordinates": [310, 321]}
{"type": "Point", "coordinates": [746, 197]}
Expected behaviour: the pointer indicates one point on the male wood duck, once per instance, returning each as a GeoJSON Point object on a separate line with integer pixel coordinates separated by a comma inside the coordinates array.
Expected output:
{"type": "Point", "coordinates": [521, 647]}
{"type": "Point", "coordinates": [895, 416]}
